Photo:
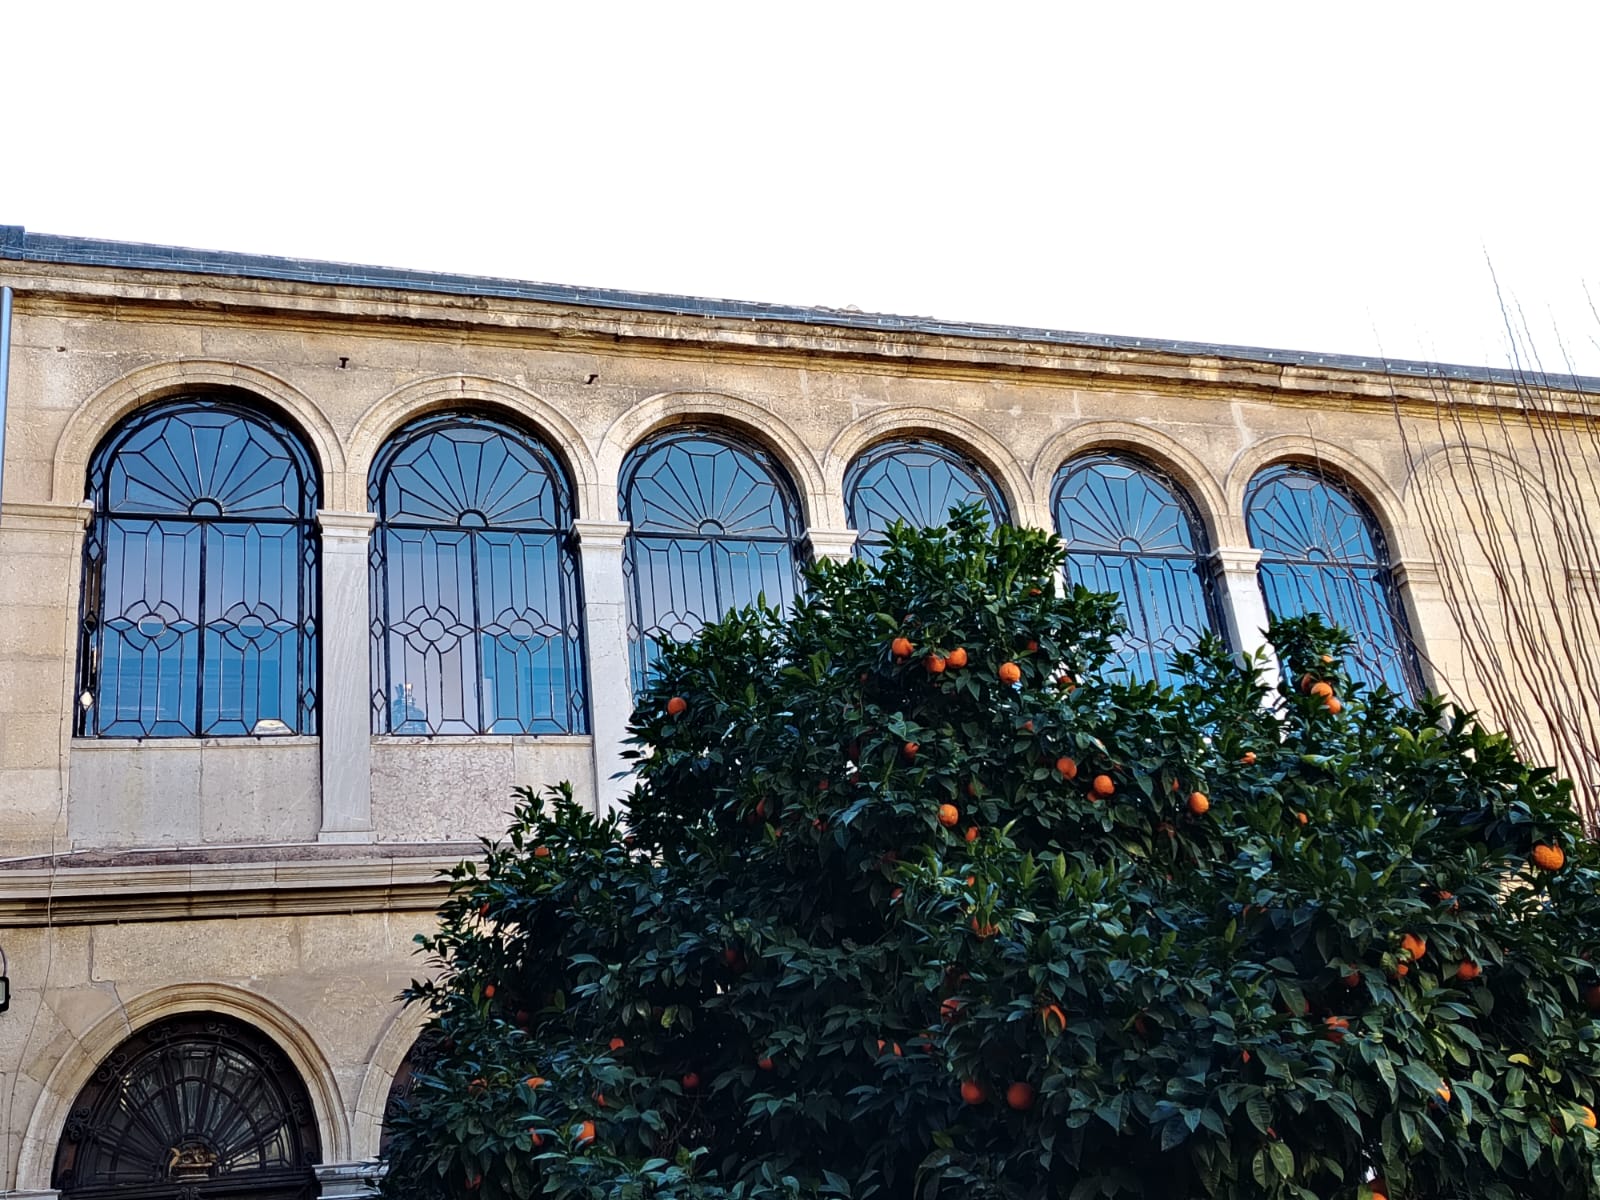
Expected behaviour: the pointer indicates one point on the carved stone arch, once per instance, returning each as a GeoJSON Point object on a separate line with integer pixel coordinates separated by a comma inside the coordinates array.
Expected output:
{"type": "Point", "coordinates": [83, 1057]}
{"type": "Point", "coordinates": [1380, 497]}
{"type": "Point", "coordinates": [765, 428]}
{"type": "Point", "coordinates": [94, 418]}
{"type": "Point", "coordinates": [394, 1044]}
{"type": "Point", "coordinates": [1223, 525]}
{"type": "Point", "coordinates": [1476, 459]}
{"type": "Point", "coordinates": [972, 440]}
{"type": "Point", "coordinates": [440, 392]}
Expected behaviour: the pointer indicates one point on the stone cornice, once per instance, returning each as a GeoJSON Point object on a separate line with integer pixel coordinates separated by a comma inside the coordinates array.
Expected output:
{"type": "Point", "coordinates": [171, 892]}
{"type": "Point", "coordinates": [45, 517]}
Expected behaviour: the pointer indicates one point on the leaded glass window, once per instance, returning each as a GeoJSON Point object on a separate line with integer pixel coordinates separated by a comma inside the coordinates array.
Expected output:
{"type": "Point", "coordinates": [1322, 551]}
{"type": "Point", "coordinates": [1131, 530]}
{"type": "Point", "coordinates": [917, 482]}
{"type": "Point", "coordinates": [474, 583]}
{"type": "Point", "coordinates": [714, 525]}
{"type": "Point", "coordinates": [196, 1106]}
{"type": "Point", "coordinates": [199, 611]}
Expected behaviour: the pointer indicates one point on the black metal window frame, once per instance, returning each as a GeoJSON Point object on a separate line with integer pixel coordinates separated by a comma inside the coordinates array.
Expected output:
{"type": "Point", "coordinates": [1139, 652]}
{"type": "Point", "coordinates": [859, 485]}
{"type": "Point", "coordinates": [193, 1107]}
{"type": "Point", "coordinates": [645, 535]}
{"type": "Point", "coordinates": [116, 514]}
{"type": "Point", "coordinates": [396, 708]}
{"type": "Point", "coordinates": [1368, 579]}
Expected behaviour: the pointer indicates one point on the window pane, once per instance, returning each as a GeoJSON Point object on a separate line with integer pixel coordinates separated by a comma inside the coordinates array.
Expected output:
{"type": "Point", "coordinates": [1321, 552]}
{"type": "Point", "coordinates": [474, 588]}
{"type": "Point", "coordinates": [917, 482]}
{"type": "Point", "coordinates": [1132, 531]}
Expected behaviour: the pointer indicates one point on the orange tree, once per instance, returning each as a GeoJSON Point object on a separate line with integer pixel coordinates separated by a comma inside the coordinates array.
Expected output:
{"type": "Point", "coordinates": [912, 900]}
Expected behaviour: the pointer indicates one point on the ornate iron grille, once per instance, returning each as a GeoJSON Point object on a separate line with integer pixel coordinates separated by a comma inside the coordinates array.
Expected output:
{"type": "Point", "coordinates": [199, 610]}
{"type": "Point", "coordinates": [193, 1107]}
{"type": "Point", "coordinates": [1322, 551]}
{"type": "Point", "coordinates": [474, 584]}
{"type": "Point", "coordinates": [422, 1059]}
{"type": "Point", "coordinates": [917, 482]}
{"type": "Point", "coordinates": [1131, 530]}
{"type": "Point", "coordinates": [714, 526]}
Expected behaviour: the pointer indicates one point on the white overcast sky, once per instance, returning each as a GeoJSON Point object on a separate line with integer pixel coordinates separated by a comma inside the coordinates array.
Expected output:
{"type": "Point", "coordinates": [1334, 177]}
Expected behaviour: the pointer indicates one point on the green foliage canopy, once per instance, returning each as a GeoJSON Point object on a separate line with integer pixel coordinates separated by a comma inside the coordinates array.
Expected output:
{"type": "Point", "coordinates": [1279, 951]}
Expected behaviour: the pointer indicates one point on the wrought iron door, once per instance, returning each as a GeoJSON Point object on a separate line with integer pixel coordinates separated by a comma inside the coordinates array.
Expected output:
{"type": "Point", "coordinates": [191, 1108]}
{"type": "Point", "coordinates": [1322, 551]}
{"type": "Point", "coordinates": [917, 482]}
{"type": "Point", "coordinates": [1131, 530]}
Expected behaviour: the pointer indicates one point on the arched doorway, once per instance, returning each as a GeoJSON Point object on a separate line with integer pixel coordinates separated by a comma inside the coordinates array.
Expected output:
{"type": "Point", "coordinates": [190, 1108]}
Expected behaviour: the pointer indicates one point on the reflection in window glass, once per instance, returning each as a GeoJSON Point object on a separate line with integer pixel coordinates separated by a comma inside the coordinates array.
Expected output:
{"type": "Point", "coordinates": [1132, 531]}
{"type": "Point", "coordinates": [917, 482]}
{"type": "Point", "coordinates": [714, 525]}
{"type": "Point", "coordinates": [200, 576]}
{"type": "Point", "coordinates": [474, 586]}
{"type": "Point", "coordinates": [1321, 552]}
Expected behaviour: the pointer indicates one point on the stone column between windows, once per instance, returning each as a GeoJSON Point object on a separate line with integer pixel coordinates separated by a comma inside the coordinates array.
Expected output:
{"type": "Point", "coordinates": [1427, 611]}
{"type": "Point", "coordinates": [346, 709]}
{"type": "Point", "coordinates": [837, 544]}
{"type": "Point", "coordinates": [605, 638]}
{"type": "Point", "coordinates": [1244, 608]}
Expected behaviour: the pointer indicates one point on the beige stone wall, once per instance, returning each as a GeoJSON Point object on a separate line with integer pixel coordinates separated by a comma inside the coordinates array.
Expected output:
{"type": "Point", "coordinates": [349, 366]}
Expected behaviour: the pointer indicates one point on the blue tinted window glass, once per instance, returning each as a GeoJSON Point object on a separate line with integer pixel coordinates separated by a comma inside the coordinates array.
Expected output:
{"type": "Point", "coordinates": [1321, 552]}
{"type": "Point", "coordinates": [474, 585]}
{"type": "Point", "coordinates": [917, 482]}
{"type": "Point", "coordinates": [200, 576]}
{"type": "Point", "coordinates": [713, 526]}
{"type": "Point", "coordinates": [1132, 531]}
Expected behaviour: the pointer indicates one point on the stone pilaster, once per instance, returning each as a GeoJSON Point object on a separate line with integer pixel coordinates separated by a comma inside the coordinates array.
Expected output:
{"type": "Point", "coordinates": [1427, 611]}
{"type": "Point", "coordinates": [346, 713]}
{"type": "Point", "coordinates": [605, 636]}
{"type": "Point", "coordinates": [837, 544]}
{"type": "Point", "coordinates": [1244, 608]}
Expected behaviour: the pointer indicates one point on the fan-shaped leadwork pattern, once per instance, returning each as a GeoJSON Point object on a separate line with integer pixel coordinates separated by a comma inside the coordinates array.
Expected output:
{"type": "Point", "coordinates": [190, 1108]}
{"type": "Point", "coordinates": [714, 526]}
{"type": "Point", "coordinates": [199, 577]}
{"type": "Point", "coordinates": [917, 482]}
{"type": "Point", "coordinates": [1321, 552]}
{"type": "Point", "coordinates": [474, 586]}
{"type": "Point", "coordinates": [1131, 530]}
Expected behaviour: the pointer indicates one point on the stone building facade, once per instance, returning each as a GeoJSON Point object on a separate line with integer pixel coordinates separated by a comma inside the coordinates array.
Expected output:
{"type": "Point", "coordinates": [180, 868]}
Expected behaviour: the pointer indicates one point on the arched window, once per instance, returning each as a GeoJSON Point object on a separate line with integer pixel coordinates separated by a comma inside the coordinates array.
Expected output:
{"type": "Point", "coordinates": [1131, 530]}
{"type": "Point", "coordinates": [714, 525]}
{"type": "Point", "coordinates": [474, 585]}
{"type": "Point", "coordinates": [1321, 551]}
{"type": "Point", "coordinates": [917, 482]}
{"type": "Point", "coordinates": [199, 614]}
{"type": "Point", "coordinates": [196, 1106]}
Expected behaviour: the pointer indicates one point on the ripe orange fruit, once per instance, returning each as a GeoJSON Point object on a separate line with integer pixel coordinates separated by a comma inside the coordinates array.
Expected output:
{"type": "Point", "coordinates": [1379, 1189]}
{"type": "Point", "coordinates": [973, 1092]}
{"type": "Point", "coordinates": [1020, 1096]}
{"type": "Point", "coordinates": [1322, 688]}
{"type": "Point", "coordinates": [615, 1043]}
{"type": "Point", "coordinates": [1053, 1013]}
{"type": "Point", "coordinates": [488, 991]}
{"type": "Point", "coordinates": [1443, 1091]}
{"type": "Point", "coordinates": [1306, 681]}
{"type": "Point", "coordinates": [1065, 681]}
{"type": "Point", "coordinates": [1551, 858]}
{"type": "Point", "coordinates": [1103, 786]}
{"type": "Point", "coordinates": [1010, 672]}
{"type": "Point", "coordinates": [676, 706]}
{"type": "Point", "coordinates": [534, 1138]}
{"type": "Point", "coordinates": [1199, 803]}
{"type": "Point", "coordinates": [691, 1082]}
{"type": "Point", "coordinates": [971, 834]}
{"type": "Point", "coordinates": [1327, 659]}
{"type": "Point", "coordinates": [901, 647]}
{"type": "Point", "coordinates": [1353, 980]}
{"type": "Point", "coordinates": [1588, 1118]}
{"type": "Point", "coordinates": [1413, 945]}
{"type": "Point", "coordinates": [541, 851]}
{"type": "Point", "coordinates": [957, 658]}
{"type": "Point", "coordinates": [1033, 646]}
{"type": "Point", "coordinates": [935, 664]}
{"type": "Point", "coordinates": [1591, 998]}
{"type": "Point", "coordinates": [950, 1009]}
{"type": "Point", "coordinates": [534, 1082]}
{"type": "Point", "coordinates": [583, 1133]}
{"type": "Point", "coordinates": [1402, 970]}
{"type": "Point", "coordinates": [1067, 766]}
{"type": "Point", "coordinates": [910, 749]}
{"type": "Point", "coordinates": [1333, 704]}
{"type": "Point", "coordinates": [1337, 1028]}
{"type": "Point", "coordinates": [949, 814]}
{"type": "Point", "coordinates": [477, 1087]}
{"type": "Point", "coordinates": [1248, 758]}
{"type": "Point", "coordinates": [1468, 971]}
{"type": "Point", "coordinates": [1302, 818]}
{"type": "Point", "coordinates": [764, 1063]}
